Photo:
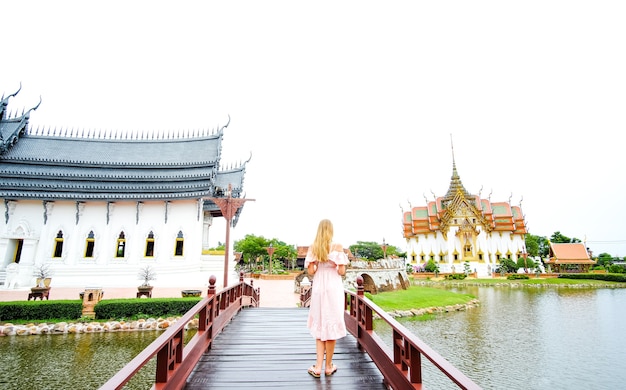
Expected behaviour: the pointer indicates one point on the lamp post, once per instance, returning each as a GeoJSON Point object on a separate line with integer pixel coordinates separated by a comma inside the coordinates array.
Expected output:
{"type": "Point", "coordinates": [228, 206]}
{"type": "Point", "coordinates": [270, 251]}
{"type": "Point", "coordinates": [384, 248]}
{"type": "Point", "coordinates": [525, 256]}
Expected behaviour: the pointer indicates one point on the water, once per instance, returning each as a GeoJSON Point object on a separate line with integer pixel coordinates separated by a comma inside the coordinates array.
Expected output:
{"type": "Point", "coordinates": [72, 361]}
{"type": "Point", "coordinates": [518, 338]}
{"type": "Point", "coordinates": [531, 338]}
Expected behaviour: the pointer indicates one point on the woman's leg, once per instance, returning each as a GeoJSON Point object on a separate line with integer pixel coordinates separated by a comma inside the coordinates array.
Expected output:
{"type": "Point", "coordinates": [320, 348]}
{"type": "Point", "coordinates": [330, 350]}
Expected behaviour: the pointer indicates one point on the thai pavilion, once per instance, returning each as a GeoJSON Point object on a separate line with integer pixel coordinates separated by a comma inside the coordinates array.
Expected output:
{"type": "Point", "coordinates": [459, 227]}
{"type": "Point", "coordinates": [96, 207]}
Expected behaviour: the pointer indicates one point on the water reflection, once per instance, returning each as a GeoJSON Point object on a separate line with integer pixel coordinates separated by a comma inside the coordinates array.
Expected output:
{"type": "Point", "coordinates": [73, 361]}
{"type": "Point", "coordinates": [530, 338]}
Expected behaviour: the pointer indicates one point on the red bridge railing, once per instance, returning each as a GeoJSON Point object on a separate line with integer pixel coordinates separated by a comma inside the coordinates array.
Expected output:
{"type": "Point", "coordinates": [175, 360]}
{"type": "Point", "coordinates": [401, 365]}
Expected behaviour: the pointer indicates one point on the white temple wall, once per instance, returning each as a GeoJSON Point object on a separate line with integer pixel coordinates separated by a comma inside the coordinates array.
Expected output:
{"type": "Point", "coordinates": [26, 222]}
{"type": "Point", "coordinates": [490, 244]}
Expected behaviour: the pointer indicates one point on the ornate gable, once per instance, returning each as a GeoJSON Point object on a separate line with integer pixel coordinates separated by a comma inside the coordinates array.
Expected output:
{"type": "Point", "coordinates": [12, 126]}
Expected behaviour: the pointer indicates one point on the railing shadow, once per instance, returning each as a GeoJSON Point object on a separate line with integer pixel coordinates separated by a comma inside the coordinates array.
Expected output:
{"type": "Point", "coordinates": [400, 365]}
{"type": "Point", "coordinates": [175, 360]}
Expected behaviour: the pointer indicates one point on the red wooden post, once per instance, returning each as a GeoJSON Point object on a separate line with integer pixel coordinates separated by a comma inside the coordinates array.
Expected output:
{"type": "Point", "coordinates": [228, 206]}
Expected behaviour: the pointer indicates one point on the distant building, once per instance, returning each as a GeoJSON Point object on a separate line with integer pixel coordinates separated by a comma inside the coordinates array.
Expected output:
{"type": "Point", "coordinates": [569, 257]}
{"type": "Point", "coordinates": [98, 205]}
{"type": "Point", "coordinates": [460, 227]}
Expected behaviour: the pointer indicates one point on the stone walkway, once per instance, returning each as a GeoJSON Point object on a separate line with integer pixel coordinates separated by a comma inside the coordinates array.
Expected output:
{"type": "Point", "coordinates": [274, 293]}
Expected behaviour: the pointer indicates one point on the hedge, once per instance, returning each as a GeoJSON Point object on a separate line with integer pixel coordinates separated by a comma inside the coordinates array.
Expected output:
{"type": "Point", "coordinates": [105, 309]}
{"type": "Point", "coordinates": [153, 307]}
{"type": "Point", "coordinates": [606, 277]}
{"type": "Point", "coordinates": [40, 310]}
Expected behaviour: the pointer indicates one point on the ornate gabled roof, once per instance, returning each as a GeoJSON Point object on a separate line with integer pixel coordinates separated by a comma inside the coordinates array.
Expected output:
{"type": "Point", "coordinates": [52, 167]}
{"type": "Point", "coordinates": [95, 165]}
{"type": "Point", "coordinates": [12, 125]}
{"type": "Point", "coordinates": [458, 207]}
{"type": "Point", "coordinates": [455, 187]}
{"type": "Point", "coordinates": [569, 253]}
{"type": "Point", "coordinates": [232, 176]}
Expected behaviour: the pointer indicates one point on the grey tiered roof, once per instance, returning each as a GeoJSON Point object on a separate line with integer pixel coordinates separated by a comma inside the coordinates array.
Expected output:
{"type": "Point", "coordinates": [51, 165]}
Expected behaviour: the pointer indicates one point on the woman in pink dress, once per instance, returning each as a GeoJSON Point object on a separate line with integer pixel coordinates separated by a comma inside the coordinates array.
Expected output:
{"type": "Point", "coordinates": [327, 261]}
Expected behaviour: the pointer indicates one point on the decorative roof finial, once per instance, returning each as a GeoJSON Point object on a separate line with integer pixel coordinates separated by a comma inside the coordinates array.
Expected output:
{"type": "Point", "coordinates": [452, 148]}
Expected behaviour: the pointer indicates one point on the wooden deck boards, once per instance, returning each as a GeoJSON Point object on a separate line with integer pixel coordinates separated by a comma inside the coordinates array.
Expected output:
{"type": "Point", "coordinates": [265, 348]}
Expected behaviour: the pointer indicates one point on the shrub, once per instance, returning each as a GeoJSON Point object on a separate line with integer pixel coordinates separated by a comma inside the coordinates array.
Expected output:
{"type": "Point", "coordinates": [617, 269]}
{"type": "Point", "coordinates": [606, 277]}
{"type": "Point", "coordinates": [40, 310]}
{"type": "Point", "coordinates": [431, 266]}
{"type": "Point", "coordinates": [153, 307]}
{"type": "Point", "coordinates": [517, 276]}
{"type": "Point", "coordinates": [106, 309]}
{"type": "Point", "coordinates": [455, 277]}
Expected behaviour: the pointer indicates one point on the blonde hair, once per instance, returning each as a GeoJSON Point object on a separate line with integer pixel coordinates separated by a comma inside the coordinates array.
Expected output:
{"type": "Point", "coordinates": [321, 244]}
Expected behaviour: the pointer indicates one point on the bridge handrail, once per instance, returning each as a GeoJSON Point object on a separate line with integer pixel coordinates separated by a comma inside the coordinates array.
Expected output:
{"type": "Point", "coordinates": [401, 365]}
{"type": "Point", "coordinates": [175, 360]}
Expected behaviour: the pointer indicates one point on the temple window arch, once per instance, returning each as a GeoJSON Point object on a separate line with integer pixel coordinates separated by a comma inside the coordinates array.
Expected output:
{"type": "Point", "coordinates": [120, 249]}
{"type": "Point", "coordinates": [180, 240]}
{"type": "Point", "coordinates": [149, 245]}
{"type": "Point", "coordinates": [467, 249]}
{"type": "Point", "coordinates": [58, 245]}
{"type": "Point", "coordinates": [90, 243]}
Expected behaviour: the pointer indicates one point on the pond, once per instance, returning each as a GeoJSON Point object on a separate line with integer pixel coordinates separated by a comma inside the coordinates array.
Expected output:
{"type": "Point", "coordinates": [525, 337]}
{"type": "Point", "coordinates": [531, 338]}
{"type": "Point", "coordinates": [73, 361]}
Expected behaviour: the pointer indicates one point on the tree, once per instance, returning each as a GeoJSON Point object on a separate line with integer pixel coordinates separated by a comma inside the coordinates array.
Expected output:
{"type": "Point", "coordinates": [369, 250]}
{"type": "Point", "coordinates": [604, 260]}
{"type": "Point", "coordinates": [507, 265]}
{"type": "Point", "coordinates": [255, 247]}
{"type": "Point", "coordinates": [558, 238]}
{"type": "Point", "coordinates": [537, 246]}
{"type": "Point", "coordinates": [527, 264]}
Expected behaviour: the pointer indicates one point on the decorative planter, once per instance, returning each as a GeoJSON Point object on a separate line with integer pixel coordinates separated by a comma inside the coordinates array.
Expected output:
{"type": "Point", "coordinates": [191, 293]}
{"type": "Point", "coordinates": [144, 291]}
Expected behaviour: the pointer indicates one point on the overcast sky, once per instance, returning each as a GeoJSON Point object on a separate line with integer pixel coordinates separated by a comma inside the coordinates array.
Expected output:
{"type": "Point", "coordinates": [348, 108]}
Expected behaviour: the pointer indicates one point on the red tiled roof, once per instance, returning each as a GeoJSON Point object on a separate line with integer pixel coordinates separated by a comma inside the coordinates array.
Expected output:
{"type": "Point", "coordinates": [569, 253]}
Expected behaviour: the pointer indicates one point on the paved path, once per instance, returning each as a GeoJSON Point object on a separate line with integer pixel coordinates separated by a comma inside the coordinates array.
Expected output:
{"type": "Point", "coordinates": [274, 293]}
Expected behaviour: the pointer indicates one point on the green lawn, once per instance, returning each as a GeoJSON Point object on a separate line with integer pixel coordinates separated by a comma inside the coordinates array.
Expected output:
{"type": "Point", "coordinates": [417, 297]}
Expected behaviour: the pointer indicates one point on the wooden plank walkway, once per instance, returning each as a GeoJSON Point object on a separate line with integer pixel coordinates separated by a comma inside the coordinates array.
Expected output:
{"type": "Point", "coordinates": [265, 348]}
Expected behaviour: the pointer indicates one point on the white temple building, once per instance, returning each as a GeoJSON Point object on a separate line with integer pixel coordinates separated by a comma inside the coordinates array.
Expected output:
{"type": "Point", "coordinates": [97, 206]}
{"type": "Point", "coordinates": [459, 227]}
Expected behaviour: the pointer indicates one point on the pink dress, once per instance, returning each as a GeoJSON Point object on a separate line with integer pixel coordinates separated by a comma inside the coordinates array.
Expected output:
{"type": "Point", "coordinates": [326, 320]}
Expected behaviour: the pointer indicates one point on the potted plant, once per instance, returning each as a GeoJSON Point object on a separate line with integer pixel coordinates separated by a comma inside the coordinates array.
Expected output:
{"type": "Point", "coordinates": [146, 274]}
{"type": "Point", "coordinates": [43, 274]}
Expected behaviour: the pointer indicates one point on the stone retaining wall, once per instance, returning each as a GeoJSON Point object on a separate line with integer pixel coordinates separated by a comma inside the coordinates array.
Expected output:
{"type": "Point", "coordinates": [158, 324]}
{"type": "Point", "coordinates": [434, 310]}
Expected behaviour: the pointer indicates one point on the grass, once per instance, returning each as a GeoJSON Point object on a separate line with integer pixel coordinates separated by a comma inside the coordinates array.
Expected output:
{"type": "Point", "coordinates": [418, 297]}
{"type": "Point", "coordinates": [533, 280]}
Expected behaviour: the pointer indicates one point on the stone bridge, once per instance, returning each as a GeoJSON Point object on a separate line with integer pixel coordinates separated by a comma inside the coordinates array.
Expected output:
{"type": "Point", "coordinates": [378, 276]}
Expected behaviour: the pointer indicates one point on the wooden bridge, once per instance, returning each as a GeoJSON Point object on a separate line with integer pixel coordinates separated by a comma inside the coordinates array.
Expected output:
{"type": "Point", "coordinates": [239, 345]}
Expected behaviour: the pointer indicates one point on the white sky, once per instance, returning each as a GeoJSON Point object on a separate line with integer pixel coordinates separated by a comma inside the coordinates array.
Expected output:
{"type": "Point", "coordinates": [348, 107]}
